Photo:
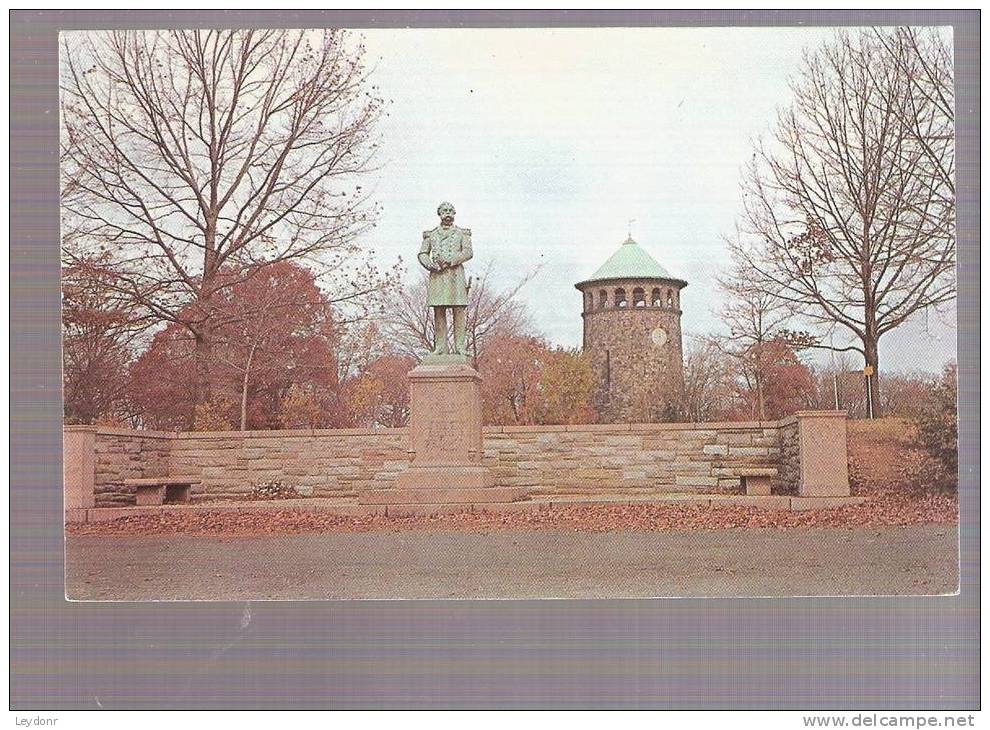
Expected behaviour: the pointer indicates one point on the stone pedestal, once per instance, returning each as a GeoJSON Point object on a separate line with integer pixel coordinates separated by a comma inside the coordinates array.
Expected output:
{"type": "Point", "coordinates": [823, 455]}
{"type": "Point", "coordinates": [445, 441]}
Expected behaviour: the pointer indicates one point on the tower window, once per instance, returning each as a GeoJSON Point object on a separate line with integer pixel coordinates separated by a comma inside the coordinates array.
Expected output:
{"type": "Point", "coordinates": [620, 298]}
{"type": "Point", "coordinates": [655, 298]}
{"type": "Point", "coordinates": [670, 299]}
{"type": "Point", "coordinates": [639, 297]}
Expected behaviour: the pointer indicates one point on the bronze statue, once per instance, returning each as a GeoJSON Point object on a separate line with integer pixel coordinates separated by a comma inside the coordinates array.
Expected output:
{"type": "Point", "coordinates": [443, 253]}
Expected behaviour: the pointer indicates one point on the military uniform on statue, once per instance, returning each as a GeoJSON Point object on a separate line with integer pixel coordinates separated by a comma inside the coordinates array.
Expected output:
{"type": "Point", "coordinates": [443, 253]}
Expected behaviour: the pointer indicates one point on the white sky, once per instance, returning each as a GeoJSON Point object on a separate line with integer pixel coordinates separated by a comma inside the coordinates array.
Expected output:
{"type": "Point", "coordinates": [548, 140]}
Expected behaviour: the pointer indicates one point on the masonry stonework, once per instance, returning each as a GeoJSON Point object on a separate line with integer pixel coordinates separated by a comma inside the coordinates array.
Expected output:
{"type": "Point", "coordinates": [121, 454]}
{"type": "Point", "coordinates": [321, 463]}
{"type": "Point", "coordinates": [636, 353]}
{"type": "Point", "coordinates": [789, 469]}
{"type": "Point", "coordinates": [606, 459]}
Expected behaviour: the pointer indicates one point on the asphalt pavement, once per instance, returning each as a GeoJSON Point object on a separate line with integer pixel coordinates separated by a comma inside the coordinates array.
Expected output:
{"type": "Point", "coordinates": [920, 560]}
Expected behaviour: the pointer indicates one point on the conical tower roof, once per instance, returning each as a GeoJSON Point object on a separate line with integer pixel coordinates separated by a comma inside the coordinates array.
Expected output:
{"type": "Point", "coordinates": [630, 261]}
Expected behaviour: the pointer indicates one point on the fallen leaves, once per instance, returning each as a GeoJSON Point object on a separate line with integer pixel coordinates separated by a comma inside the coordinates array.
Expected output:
{"type": "Point", "coordinates": [882, 511]}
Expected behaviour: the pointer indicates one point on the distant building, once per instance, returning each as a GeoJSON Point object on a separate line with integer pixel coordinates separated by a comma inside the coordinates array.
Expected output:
{"type": "Point", "coordinates": [632, 332]}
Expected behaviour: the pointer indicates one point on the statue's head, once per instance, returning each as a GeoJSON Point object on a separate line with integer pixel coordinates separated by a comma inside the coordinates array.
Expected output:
{"type": "Point", "coordinates": [446, 212]}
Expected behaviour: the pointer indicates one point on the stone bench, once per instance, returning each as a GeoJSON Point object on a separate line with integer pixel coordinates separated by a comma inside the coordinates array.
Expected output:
{"type": "Point", "coordinates": [755, 479]}
{"type": "Point", "coordinates": [161, 490]}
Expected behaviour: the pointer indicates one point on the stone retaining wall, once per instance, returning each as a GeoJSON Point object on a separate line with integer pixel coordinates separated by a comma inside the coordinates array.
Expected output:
{"type": "Point", "coordinates": [321, 463]}
{"type": "Point", "coordinates": [629, 458]}
{"type": "Point", "coordinates": [549, 460]}
{"type": "Point", "coordinates": [125, 454]}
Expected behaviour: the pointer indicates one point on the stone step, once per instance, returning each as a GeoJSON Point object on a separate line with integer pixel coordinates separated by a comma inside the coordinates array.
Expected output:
{"type": "Point", "coordinates": [351, 508]}
{"type": "Point", "coordinates": [482, 495]}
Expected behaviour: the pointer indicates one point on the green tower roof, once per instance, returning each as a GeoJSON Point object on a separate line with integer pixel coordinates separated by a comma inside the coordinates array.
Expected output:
{"type": "Point", "coordinates": [631, 261]}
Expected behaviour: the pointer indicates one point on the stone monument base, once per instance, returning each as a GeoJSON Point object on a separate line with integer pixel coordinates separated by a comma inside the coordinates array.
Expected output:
{"type": "Point", "coordinates": [451, 477]}
{"type": "Point", "coordinates": [445, 441]}
{"type": "Point", "coordinates": [481, 496]}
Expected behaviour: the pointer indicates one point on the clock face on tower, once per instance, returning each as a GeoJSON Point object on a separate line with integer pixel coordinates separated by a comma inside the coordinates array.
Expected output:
{"type": "Point", "coordinates": [659, 336]}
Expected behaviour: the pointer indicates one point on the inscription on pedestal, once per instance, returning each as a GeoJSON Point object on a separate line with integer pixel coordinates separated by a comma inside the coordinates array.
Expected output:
{"type": "Point", "coordinates": [446, 416]}
{"type": "Point", "coordinates": [446, 430]}
{"type": "Point", "coordinates": [445, 436]}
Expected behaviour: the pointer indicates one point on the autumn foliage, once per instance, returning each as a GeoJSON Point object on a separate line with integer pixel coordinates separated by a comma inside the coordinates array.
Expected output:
{"type": "Point", "coordinates": [194, 160]}
{"type": "Point", "coordinates": [281, 359]}
{"type": "Point", "coordinates": [785, 381]}
{"type": "Point", "coordinates": [938, 428]}
{"type": "Point", "coordinates": [379, 396]}
{"type": "Point", "coordinates": [98, 334]}
{"type": "Point", "coordinates": [525, 381]}
{"type": "Point", "coordinates": [274, 331]}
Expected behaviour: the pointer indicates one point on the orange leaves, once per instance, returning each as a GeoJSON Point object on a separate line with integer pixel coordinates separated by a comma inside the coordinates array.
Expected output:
{"type": "Point", "coordinates": [270, 331]}
{"type": "Point", "coordinates": [379, 396]}
{"type": "Point", "coordinates": [525, 381]}
{"type": "Point", "coordinates": [906, 510]}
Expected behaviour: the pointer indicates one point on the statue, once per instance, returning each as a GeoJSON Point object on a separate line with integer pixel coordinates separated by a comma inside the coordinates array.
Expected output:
{"type": "Point", "coordinates": [443, 253]}
{"type": "Point", "coordinates": [445, 432]}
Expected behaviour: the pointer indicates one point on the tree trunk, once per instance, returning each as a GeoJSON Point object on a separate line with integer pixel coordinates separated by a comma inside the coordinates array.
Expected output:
{"type": "Point", "coordinates": [871, 385]}
{"type": "Point", "coordinates": [244, 388]}
{"type": "Point", "coordinates": [202, 355]}
{"type": "Point", "coordinates": [761, 401]}
{"type": "Point", "coordinates": [871, 342]}
{"type": "Point", "coordinates": [204, 333]}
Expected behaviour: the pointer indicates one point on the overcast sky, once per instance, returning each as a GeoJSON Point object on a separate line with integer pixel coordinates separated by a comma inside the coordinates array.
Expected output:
{"type": "Point", "coordinates": [548, 141]}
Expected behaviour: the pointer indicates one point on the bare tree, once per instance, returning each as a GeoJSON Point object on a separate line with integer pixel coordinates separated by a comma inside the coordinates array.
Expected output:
{"type": "Point", "coordinates": [923, 57]}
{"type": "Point", "coordinates": [708, 389]}
{"type": "Point", "coordinates": [755, 316]}
{"type": "Point", "coordinates": [844, 218]}
{"type": "Point", "coordinates": [409, 320]}
{"type": "Point", "coordinates": [101, 332]}
{"type": "Point", "coordinates": [360, 344]}
{"type": "Point", "coordinates": [490, 310]}
{"type": "Point", "coordinates": [197, 157]}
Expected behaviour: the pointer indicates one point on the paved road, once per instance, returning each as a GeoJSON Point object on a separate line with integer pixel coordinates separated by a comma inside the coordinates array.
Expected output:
{"type": "Point", "coordinates": [515, 564]}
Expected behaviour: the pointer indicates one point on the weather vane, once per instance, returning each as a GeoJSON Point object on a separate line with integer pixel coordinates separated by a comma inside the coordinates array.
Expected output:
{"type": "Point", "coordinates": [631, 221]}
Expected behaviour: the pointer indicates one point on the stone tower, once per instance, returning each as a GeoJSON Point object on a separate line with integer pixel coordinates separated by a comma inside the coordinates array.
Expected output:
{"type": "Point", "coordinates": [632, 331]}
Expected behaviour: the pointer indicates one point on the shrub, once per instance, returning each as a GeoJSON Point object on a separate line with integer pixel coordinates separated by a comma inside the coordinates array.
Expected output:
{"type": "Point", "coordinates": [917, 470]}
{"type": "Point", "coordinates": [273, 489]}
{"type": "Point", "coordinates": [937, 426]}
